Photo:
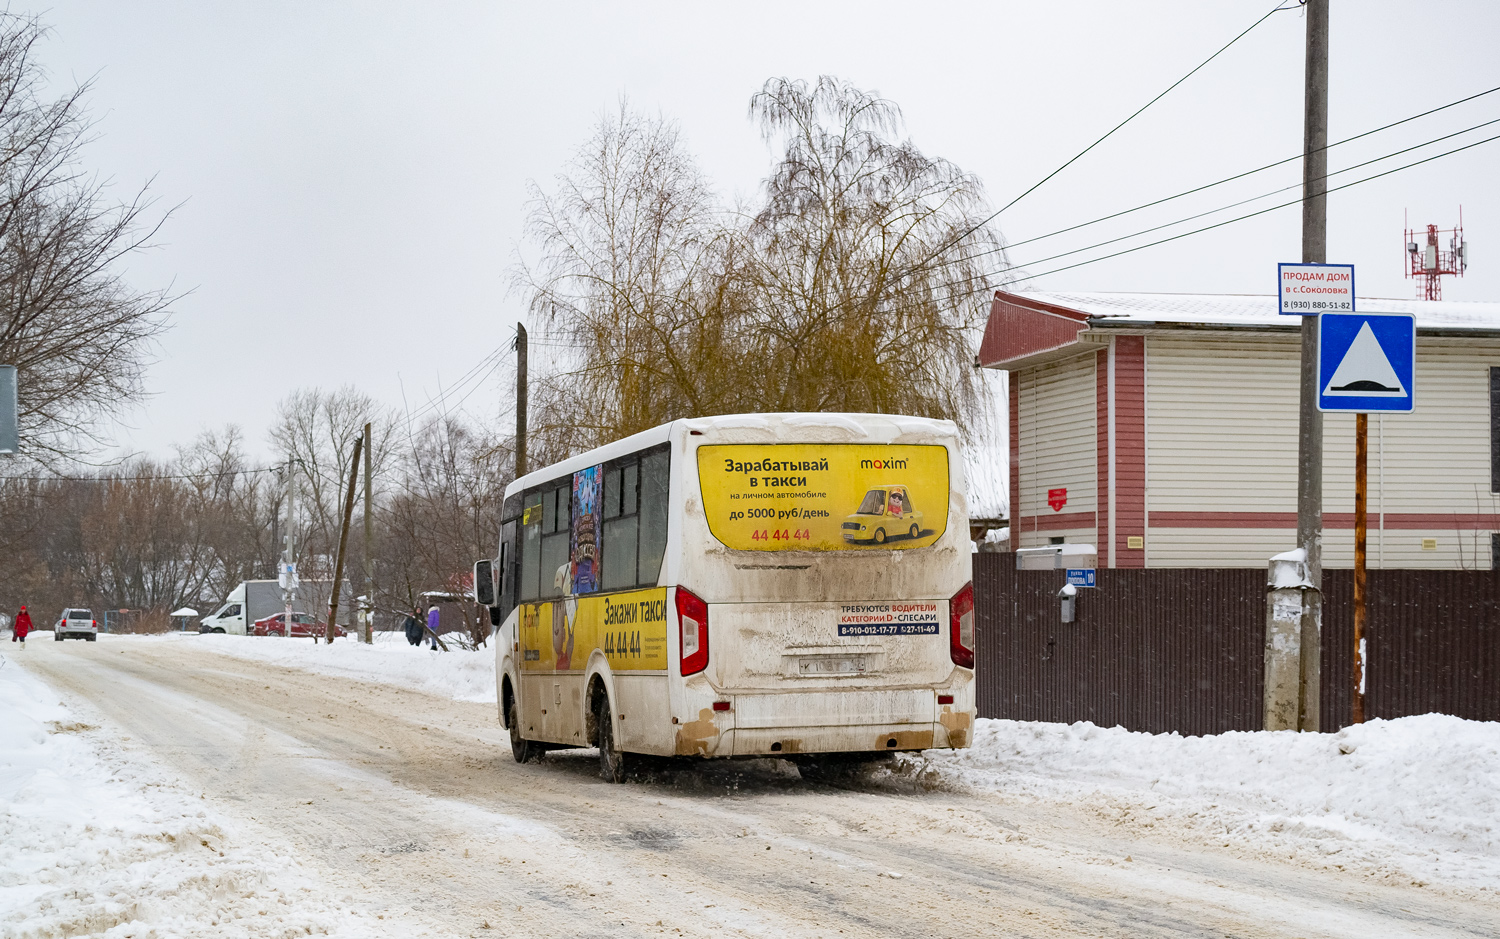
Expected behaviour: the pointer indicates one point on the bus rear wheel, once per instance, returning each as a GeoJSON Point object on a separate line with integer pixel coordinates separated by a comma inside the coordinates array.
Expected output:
{"type": "Point", "coordinates": [611, 760]}
{"type": "Point", "coordinates": [522, 749]}
{"type": "Point", "coordinates": [915, 533]}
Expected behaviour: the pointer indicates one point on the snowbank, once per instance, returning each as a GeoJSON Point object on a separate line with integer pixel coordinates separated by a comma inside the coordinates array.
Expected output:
{"type": "Point", "coordinates": [95, 843]}
{"type": "Point", "coordinates": [463, 676]}
{"type": "Point", "coordinates": [1419, 796]}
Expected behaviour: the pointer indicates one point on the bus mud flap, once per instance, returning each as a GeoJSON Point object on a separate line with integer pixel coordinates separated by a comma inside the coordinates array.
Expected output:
{"type": "Point", "coordinates": [693, 737]}
{"type": "Point", "coordinates": [957, 725]}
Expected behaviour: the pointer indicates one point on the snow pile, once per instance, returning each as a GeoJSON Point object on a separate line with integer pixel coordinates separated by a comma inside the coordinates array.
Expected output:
{"type": "Point", "coordinates": [1418, 797]}
{"type": "Point", "coordinates": [457, 674]}
{"type": "Point", "coordinates": [91, 844]}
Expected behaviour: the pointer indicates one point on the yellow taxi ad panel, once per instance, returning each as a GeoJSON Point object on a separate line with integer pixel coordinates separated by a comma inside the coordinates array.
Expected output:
{"type": "Point", "coordinates": [629, 628]}
{"type": "Point", "coordinates": [824, 497]}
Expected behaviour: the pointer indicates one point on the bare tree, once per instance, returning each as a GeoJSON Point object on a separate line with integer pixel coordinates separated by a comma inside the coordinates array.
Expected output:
{"type": "Point", "coordinates": [631, 243]}
{"type": "Point", "coordinates": [316, 430]}
{"type": "Point", "coordinates": [857, 284]}
{"type": "Point", "coordinates": [868, 260]}
{"type": "Point", "coordinates": [78, 334]}
{"type": "Point", "coordinates": [444, 513]}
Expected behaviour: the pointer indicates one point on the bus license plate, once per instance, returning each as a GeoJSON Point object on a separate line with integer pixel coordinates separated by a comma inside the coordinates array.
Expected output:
{"type": "Point", "coordinates": [832, 665]}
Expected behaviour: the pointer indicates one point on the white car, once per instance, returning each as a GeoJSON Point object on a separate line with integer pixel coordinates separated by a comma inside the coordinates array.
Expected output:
{"type": "Point", "coordinates": [79, 624]}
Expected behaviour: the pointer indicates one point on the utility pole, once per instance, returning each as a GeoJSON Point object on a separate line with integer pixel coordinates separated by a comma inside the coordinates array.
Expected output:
{"type": "Point", "coordinates": [520, 400]}
{"type": "Point", "coordinates": [368, 613]}
{"type": "Point", "coordinates": [338, 563]}
{"type": "Point", "coordinates": [1310, 419]}
{"type": "Point", "coordinates": [288, 575]}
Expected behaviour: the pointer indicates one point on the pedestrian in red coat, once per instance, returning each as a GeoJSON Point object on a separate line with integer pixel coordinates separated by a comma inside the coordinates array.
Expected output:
{"type": "Point", "coordinates": [21, 627]}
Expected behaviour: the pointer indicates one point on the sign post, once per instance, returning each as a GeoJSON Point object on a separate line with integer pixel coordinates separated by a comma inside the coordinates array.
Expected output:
{"type": "Point", "coordinates": [1366, 362]}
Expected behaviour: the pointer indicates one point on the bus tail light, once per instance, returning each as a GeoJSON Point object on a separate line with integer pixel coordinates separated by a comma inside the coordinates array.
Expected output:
{"type": "Point", "coordinates": [961, 626]}
{"type": "Point", "coordinates": [692, 620]}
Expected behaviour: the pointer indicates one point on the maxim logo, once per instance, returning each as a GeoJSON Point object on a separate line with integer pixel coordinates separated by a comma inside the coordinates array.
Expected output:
{"type": "Point", "coordinates": [882, 464]}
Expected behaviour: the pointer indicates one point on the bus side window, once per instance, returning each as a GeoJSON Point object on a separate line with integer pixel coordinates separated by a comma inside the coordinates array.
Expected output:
{"type": "Point", "coordinates": [531, 549]}
{"type": "Point", "coordinates": [557, 533]}
{"type": "Point", "coordinates": [654, 480]}
{"type": "Point", "coordinates": [620, 527]}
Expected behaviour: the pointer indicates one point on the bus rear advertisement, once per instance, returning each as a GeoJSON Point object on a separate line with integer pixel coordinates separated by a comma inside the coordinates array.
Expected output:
{"type": "Point", "coordinates": [791, 585]}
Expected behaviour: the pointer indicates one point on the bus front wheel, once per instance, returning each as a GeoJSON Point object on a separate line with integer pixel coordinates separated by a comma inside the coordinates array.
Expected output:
{"type": "Point", "coordinates": [880, 536]}
{"type": "Point", "coordinates": [611, 760]}
{"type": "Point", "coordinates": [522, 749]}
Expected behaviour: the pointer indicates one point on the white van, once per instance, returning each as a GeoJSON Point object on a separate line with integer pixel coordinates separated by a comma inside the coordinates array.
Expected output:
{"type": "Point", "coordinates": [246, 603]}
{"type": "Point", "coordinates": [694, 591]}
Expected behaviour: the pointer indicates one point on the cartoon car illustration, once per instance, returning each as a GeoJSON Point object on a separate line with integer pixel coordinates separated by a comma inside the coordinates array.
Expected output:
{"type": "Point", "coordinates": [886, 512]}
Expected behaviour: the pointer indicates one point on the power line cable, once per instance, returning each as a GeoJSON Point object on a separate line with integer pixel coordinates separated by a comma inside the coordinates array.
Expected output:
{"type": "Point", "coordinates": [1242, 218]}
{"type": "Point", "coordinates": [113, 479]}
{"type": "Point", "coordinates": [1039, 183]}
{"type": "Point", "coordinates": [1264, 195]}
{"type": "Point", "coordinates": [1227, 179]}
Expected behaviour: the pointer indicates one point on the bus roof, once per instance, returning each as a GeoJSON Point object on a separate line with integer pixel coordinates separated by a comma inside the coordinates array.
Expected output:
{"type": "Point", "coordinates": [874, 428]}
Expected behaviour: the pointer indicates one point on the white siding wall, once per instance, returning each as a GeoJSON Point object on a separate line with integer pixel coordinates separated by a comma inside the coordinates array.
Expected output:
{"type": "Point", "coordinates": [1057, 441]}
{"type": "Point", "coordinates": [1221, 417]}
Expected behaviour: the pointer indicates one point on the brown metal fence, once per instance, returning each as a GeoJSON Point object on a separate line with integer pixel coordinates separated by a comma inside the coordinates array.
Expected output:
{"type": "Point", "coordinates": [1181, 649]}
{"type": "Point", "coordinates": [1433, 644]}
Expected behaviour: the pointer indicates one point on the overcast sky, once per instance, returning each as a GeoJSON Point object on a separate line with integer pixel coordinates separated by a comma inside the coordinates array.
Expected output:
{"type": "Point", "coordinates": [352, 176]}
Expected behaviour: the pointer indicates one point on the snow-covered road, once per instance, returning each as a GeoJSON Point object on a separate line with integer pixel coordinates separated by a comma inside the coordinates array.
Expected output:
{"type": "Point", "coordinates": [401, 811]}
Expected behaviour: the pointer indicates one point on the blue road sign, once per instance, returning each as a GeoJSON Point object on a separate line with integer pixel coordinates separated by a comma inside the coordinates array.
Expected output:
{"type": "Point", "coordinates": [1366, 362]}
{"type": "Point", "coordinates": [1081, 576]}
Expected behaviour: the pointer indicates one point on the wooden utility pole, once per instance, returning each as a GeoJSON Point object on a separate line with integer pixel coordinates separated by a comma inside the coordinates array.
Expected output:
{"type": "Point", "coordinates": [368, 613]}
{"type": "Point", "coordinates": [1361, 490]}
{"type": "Point", "coordinates": [1309, 418]}
{"type": "Point", "coordinates": [520, 400]}
{"type": "Point", "coordinates": [338, 563]}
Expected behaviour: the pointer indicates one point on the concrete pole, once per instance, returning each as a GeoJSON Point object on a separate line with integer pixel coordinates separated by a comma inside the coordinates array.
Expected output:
{"type": "Point", "coordinates": [368, 613]}
{"type": "Point", "coordinates": [1286, 588]}
{"type": "Point", "coordinates": [1310, 419]}
{"type": "Point", "coordinates": [520, 400]}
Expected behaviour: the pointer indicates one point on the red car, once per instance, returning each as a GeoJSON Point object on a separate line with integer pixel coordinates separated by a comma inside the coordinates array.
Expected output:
{"type": "Point", "coordinates": [304, 626]}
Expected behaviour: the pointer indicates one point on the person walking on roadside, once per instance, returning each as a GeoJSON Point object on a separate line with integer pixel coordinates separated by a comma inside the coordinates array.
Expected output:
{"type": "Point", "coordinates": [21, 627]}
{"type": "Point", "coordinates": [413, 628]}
{"type": "Point", "coordinates": [433, 621]}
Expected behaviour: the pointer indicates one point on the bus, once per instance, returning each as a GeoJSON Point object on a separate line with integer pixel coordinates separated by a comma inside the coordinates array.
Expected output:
{"type": "Point", "coordinates": [760, 585]}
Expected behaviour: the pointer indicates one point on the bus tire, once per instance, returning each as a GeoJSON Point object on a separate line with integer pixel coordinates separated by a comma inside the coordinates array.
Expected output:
{"type": "Point", "coordinates": [611, 760]}
{"type": "Point", "coordinates": [523, 750]}
{"type": "Point", "coordinates": [915, 533]}
{"type": "Point", "coordinates": [880, 536]}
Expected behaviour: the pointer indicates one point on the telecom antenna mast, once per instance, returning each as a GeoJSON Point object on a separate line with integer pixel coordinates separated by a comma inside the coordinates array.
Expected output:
{"type": "Point", "coordinates": [1428, 261]}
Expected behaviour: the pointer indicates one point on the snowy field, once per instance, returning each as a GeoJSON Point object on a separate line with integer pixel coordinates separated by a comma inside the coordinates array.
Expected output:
{"type": "Point", "coordinates": [92, 842]}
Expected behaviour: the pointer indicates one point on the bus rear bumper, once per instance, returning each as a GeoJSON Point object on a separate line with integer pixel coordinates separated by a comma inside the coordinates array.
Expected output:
{"type": "Point", "coordinates": [781, 724]}
{"type": "Point", "coordinates": [893, 738]}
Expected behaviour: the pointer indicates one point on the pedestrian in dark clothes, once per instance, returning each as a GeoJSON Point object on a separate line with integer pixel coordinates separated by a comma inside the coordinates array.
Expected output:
{"type": "Point", "coordinates": [413, 627]}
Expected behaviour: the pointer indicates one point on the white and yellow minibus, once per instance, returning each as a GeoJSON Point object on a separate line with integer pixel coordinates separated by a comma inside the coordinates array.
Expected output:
{"type": "Point", "coordinates": [760, 585]}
